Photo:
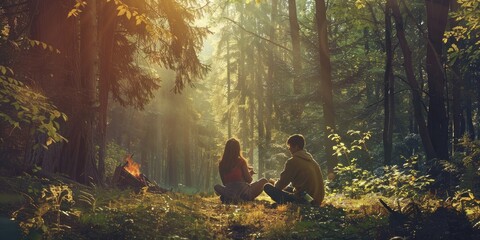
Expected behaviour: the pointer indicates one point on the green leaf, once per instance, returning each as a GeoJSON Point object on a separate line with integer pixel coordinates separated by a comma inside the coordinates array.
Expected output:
{"type": "Point", "coordinates": [49, 141]}
{"type": "Point", "coordinates": [121, 12]}
{"type": "Point", "coordinates": [72, 13]}
{"type": "Point", "coordinates": [57, 114]}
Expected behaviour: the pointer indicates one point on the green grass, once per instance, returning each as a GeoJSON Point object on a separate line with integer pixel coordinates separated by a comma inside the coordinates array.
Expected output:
{"type": "Point", "coordinates": [114, 214]}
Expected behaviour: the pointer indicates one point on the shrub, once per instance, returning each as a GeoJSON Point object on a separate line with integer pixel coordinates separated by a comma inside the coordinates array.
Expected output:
{"type": "Point", "coordinates": [354, 181]}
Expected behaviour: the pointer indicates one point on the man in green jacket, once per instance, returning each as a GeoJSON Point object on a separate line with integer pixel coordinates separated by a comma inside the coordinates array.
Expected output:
{"type": "Point", "coordinates": [303, 172]}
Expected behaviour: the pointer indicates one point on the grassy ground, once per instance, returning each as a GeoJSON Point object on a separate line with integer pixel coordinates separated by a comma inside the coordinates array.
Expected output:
{"type": "Point", "coordinates": [52, 209]}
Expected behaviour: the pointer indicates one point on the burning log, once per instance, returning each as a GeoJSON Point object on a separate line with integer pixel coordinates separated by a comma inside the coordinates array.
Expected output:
{"type": "Point", "coordinates": [129, 175]}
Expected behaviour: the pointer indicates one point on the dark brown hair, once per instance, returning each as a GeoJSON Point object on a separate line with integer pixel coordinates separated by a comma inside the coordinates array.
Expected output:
{"type": "Point", "coordinates": [232, 156]}
{"type": "Point", "coordinates": [296, 140]}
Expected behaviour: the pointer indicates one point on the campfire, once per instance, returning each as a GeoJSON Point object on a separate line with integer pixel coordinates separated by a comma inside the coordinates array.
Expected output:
{"type": "Point", "coordinates": [132, 167]}
{"type": "Point", "coordinates": [129, 175]}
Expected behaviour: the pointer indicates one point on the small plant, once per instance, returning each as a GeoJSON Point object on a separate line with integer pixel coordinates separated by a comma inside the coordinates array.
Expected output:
{"type": "Point", "coordinates": [406, 182]}
{"type": "Point", "coordinates": [351, 180]}
{"type": "Point", "coordinates": [354, 181]}
{"type": "Point", "coordinates": [22, 106]}
{"type": "Point", "coordinates": [341, 149]}
{"type": "Point", "coordinates": [89, 199]}
{"type": "Point", "coordinates": [465, 201]}
{"type": "Point", "coordinates": [32, 217]}
{"type": "Point", "coordinates": [466, 164]}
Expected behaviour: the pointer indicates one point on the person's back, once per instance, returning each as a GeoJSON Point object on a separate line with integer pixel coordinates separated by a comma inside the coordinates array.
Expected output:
{"type": "Point", "coordinates": [305, 175]}
{"type": "Point", "coordinates": [303, 172]}
{"type": "Point", "coordinates": [236, 176]}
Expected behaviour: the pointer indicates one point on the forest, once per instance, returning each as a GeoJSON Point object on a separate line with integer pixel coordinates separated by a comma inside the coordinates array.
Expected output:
{"type": "Point", "coordinates": [114, 115]}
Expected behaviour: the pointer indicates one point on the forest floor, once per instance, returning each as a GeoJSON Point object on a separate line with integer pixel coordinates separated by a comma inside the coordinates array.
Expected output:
{"type": "Point", "coordinates": [54, 209]}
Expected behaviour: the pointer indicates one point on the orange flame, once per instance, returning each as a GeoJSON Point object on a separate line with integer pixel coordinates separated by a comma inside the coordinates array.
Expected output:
{"type": "Point", "coordinates": [132, 167]}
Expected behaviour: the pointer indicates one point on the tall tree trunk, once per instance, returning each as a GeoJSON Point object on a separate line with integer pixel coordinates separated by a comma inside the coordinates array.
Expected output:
{"type": "Point", "coordinates": [269, 84]}
{"type": "Point", "coordinates": [437, 16]}
{"type": "Point", "coordinates": [89, 72]}
{"type": "Point", "coordinates": [241, 87]}
{"type": "Point", "coordinates": [457, 110]}
{"type": "Point", "coordinates": [229, 89]}
{"type": "Point", "coordinates": [53, 72]}
{"type": "Point", "coordinates": [297, 108]}
{"type": "Point", "coordinates": [389, 97]}
{"type": "Point", "coordinates": [469, 108]}
{"type": "Point", "coordinates": [107, 24]}
{"type": "Point", "coordinates": [251, 144]}
{"type": "Point", "coordinates": [210, 169]}
{"type": "Point", "coordinates": [188, 154]}
{"type": "Point", "coordinates": [251, 103]}
{"type": "Point", "coordinates": [457, 94]}
{"type": "Point", "coordinates": [412, 82]}
{"type": "Point", "coordinates": [72, 89]}
{"type": "Point", "coordinates": [326, 90]}
{"type": "Point", "coordinates": [260, 121]}
{"type": "Point", "coordinates": [478, 108]}
{"type": "Point", "coordinates": [80, 150]}
{"type": "Point", "coordinates": [171, 162]}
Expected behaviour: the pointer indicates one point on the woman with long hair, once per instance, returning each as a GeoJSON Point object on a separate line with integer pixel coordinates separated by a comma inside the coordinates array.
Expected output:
{"type": "Point", "coordinates": [236, 175]}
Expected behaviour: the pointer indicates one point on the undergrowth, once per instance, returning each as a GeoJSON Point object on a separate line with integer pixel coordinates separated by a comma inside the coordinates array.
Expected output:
{"type": "Point", "coordinates": [103, 213]}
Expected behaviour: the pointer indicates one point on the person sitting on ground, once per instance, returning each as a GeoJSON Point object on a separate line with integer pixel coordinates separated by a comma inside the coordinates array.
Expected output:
{"type": "Point", "coordinates": [302, 172]}
{"type": "Point", "coordinates": [236, 176]}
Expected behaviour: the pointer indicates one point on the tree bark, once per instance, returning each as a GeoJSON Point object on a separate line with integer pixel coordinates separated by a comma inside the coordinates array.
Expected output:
{"type": "Point", "coordinates": [87, 167]}
{"type": "Point", "coordinates": [107, 24]}
{"type": "Point", "coordinates": [458, 97]}
{"type": "Point", "coordinates": [468, 110]}
{"type": "Point", "coordinates": [412, 82]}
{"type": "Point", "coordinates": [437, 17]}
{"type": "Point", "coordinates": [326, 90]}
{"type": "Point", "coordinates": [457, 109]}
{"type": "Point", "coordinates": [251, 101]}
{"type": "Point", "coordinates": [297, 108]}
{"type": "Point", "coordinates": [229, 89]}
{"type": "Point", "coordinates": [389, 89]}
{"type": "Point", "coordinates": [72, 89]}
{"type": "Point", "coordinates": [478, 109]}
{"type": "Point", "coordinates": [53, 70]}
{"type": "Point", "coordinates": [188, 154]}
{"type": "Point", "coordinates": [260, 123]}
{"type": "Point", "coordinates": [269, 84]}
{"type": "Point", "coordinates": [171, 160]}
{"type": "Point", "coordinates": [241, 85]}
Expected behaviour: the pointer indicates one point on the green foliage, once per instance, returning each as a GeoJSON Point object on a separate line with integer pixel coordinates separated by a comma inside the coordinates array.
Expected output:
{"type": "Point", "coordinates": [465, 201]}
{"type": "Point", "coordinates": [115, 156]}
{"type": "Point", "coordinates": [405, 181]}
{"type": "Point", "coordinates": [351, 180]}
{"type": "Point", "coordinates": [22, 106]}
{"type": "Point", "coordinates": [341, 149]}
{"type": "Point", "coordinates": [126, 215]}
{"type": "Point", "coordinates": [465, 164]}
{"type": "Point", "coordinates": [122, 8]}
{"type": "Point", "coordinates": [42, 213]}
{"type": "Point", "coordinates": [469, 15]}
{"type": "Point", "coordinates": [354, 181]}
